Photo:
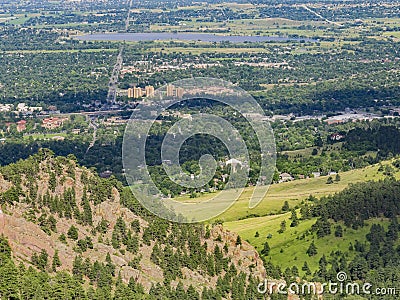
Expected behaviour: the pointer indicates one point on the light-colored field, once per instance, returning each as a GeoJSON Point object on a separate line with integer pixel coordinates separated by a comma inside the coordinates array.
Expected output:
{"type": "Point", "coordinates": [195, 50]}
{"type": "Point", "coordinates": [45, 136]}
{"type": "Point", "coordinates": [294, 192]}
{"type": "Point", "coordinates": [289, 248]}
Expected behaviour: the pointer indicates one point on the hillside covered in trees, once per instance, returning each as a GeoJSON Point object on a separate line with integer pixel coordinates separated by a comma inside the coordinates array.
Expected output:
{"type": "Point", "coordinates": [66, 233]}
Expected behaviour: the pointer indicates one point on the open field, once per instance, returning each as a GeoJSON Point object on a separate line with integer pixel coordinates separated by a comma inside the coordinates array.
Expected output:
{"type": "Point", "coordinates": [45, 136]}
{"type": "Point", "coordinates": [195, 50]}
{"type": "Point", "coordinates": [289, 248]}
{"type": "Point", "coordinates": [294, 192]}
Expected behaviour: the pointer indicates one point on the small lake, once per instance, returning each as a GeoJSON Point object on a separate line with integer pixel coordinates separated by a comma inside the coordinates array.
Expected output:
{"type": "Point", "coordinates": [203, 37]}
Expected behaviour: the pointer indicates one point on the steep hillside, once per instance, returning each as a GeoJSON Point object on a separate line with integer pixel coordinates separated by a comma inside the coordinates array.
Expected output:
{"type": "Point", "coordinates": [57, 216]}
{"type": "Point", "coordinates": [355, 231]}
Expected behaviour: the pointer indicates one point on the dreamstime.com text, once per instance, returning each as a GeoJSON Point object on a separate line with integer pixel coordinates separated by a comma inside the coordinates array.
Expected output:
{"type": "Point", "coordinates": [311, 288]}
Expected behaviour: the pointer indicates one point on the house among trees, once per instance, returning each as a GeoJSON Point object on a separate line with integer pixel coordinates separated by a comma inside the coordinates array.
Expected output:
{"type": "Point", "coordinates": [52, 123]}
{"type": "Point", "coordinates": [283, 177]}
{"type": "Point", "coordinates": [234, 163]}
{"type": "Point", "coordinates": [21, 125]}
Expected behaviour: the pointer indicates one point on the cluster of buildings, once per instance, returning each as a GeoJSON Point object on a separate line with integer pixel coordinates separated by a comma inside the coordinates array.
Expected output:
{"type": "Point", "coordinates": [21, 125]}
{"type": "Point", "coordinates": [159, 67]}
{"type": "Point", "coordinates": [149, 91]}
{"type": "Point", "coordinates": [53, 123]}
{"type": "Point", "coordinates": [20, 108]}
{"type": "Point", "coordinates": [138, 92]}
{"type": "Point", "coordinates": [48, 123]}
{"type": "Point", "coordinates": [6, 107]}
{"type": "Point", "coordinates": [115, 121]}
{"type": "Point", "coordinates": [173, 91]}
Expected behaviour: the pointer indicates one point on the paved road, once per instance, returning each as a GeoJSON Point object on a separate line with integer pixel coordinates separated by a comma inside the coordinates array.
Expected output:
{"type": "Point", "coordinates": [320, 16]}
{"type": "Point", "coordinates": [94, 125]}
{"type": "Point", "coordinates": [112, 85]}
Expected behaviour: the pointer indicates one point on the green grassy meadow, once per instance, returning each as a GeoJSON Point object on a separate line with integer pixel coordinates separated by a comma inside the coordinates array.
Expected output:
{"type": "Point", "coordinates": [294, 192]}
{"type": "Point", "coordinates": [289, 248]}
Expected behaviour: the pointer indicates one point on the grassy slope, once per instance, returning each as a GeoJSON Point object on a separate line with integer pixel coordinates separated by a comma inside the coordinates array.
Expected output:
{"type": "Point", "coordinates": [294, 248]}
{"type": "Point", "coordinates": [293, 192]}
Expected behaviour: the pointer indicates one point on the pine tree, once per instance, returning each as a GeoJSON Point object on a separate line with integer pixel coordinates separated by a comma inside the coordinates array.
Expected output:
{"type": "Point", "coordinates": [77, 268]}
{"type": "Point", "coordinates": [115, 241]}
{"type": "Point", "coordinates": [192, 294]}
{"type": "Point", "coordinates": [73, 233]}
{"type": "Point", "coordinates": [338, 231]}
{"type": "Point", "coordinates": [285, 207]}
{"type": "Point", "coordinates": [393, 230]}
{"type": "Point", "coordinates": [358, 268]}
{"type": "Point", "coordinates": [337, 178]}
{"type": "Point", "coordinates": [87, 210]}
{"type": "Point", "coordinates": [312, 250]}
{"type": "Point", "coordinates": [306, 269]}
{"type": "Point", "coordinates": [238, 240]}
{"type": "Point", "coordinates": [329, 180]}
{"type": "Point", "coordinates": [305, 212]}
{"type": "Point", "coordinates": [52, 182]}
{"type": "Point", "coordinates": [282, 227]}
{"type": "Point", "coordinates": [265, 251]}
{"type": "Point", "coordinates": [180, 291]}
{"type": "Point", "coordinates": [210, 266]}
{"type": "Point", "coordinates": [322, 271]}
{"type": "Point", "coordinates": [322, 226]}
{"type": "Point", "coordinates": [295, 220]}
{"type": "Point", "coordinates": [135, 225]}
{"type": "Point", "coordinates": [62, 238]}
{"type": "Point", "coordinates": [9, 280]}
{"type": "Point", "coordinates": [132, 244]}
{"type": "Point", "coordinates": [56, 261]}
{"type": "Point", "coordinates": [43, 260]}
{"type": "Point", "coordinates": [5, 249]}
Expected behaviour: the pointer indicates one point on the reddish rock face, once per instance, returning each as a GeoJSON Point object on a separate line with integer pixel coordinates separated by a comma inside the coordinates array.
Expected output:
{"type": "Point", "coordinates": [244, 253]}
{"type": "Point", "coordinates": [19, 223]}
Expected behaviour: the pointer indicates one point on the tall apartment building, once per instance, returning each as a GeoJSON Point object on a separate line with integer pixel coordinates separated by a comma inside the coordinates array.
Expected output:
{"type": "Point", "coordinates": [179, 93]}
{"type": "Point", "coordinates": [130, 93]}
{"type": "Point", "coordinates": [149, 91]}
{"type": "Point", "coordinates": [172, 91]}
{"type": "Point", "coordinates": [137, 92]}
